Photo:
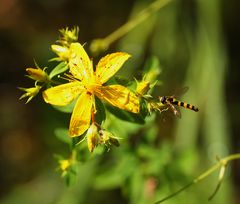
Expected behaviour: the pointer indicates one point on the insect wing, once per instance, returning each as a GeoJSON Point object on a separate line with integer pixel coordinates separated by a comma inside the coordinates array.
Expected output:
{"type": "Point", "coordinates": [175, 110]}
{"type": "Point", "coordinates": [181, 91]}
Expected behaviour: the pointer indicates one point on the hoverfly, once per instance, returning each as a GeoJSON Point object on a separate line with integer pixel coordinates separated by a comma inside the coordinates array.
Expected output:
{"type": "Point", "coordinates": [172, 102]}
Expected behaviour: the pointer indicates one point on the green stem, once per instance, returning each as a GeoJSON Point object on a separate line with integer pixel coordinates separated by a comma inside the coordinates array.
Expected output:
{"type": "Point", "coordinates": [102, 44]}
{"type": "Point", "coordinates": [223, 161]}
{"type": "Point", "coordinates": [205, 174]}
{"type": "Point", "coordinates": [144, 14]}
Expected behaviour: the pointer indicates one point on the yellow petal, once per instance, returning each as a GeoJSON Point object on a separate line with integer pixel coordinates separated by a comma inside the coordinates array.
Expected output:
{"type": "Point", "coordinates": [118, 96]}
{"type": "Point", "coordinates": [63, 94]}
{"type": "Point", "coordinates": [109, 65]}
{"type": "Point", "coordinates": [79, 62]}
{"type": "Point", "coordinates": [81, 115]}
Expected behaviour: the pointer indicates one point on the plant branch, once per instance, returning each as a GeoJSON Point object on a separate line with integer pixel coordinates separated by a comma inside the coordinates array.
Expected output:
{"type": "Point", "coordinates": [102, 44]}
{"type": "Point", "coordinates": [222, 162]}
{"type": "Point", "coordinates": [144, 14]}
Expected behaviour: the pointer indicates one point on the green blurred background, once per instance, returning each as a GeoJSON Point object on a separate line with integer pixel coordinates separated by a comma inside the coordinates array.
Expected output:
{"type": "Point", "coordinates": [197, 44]}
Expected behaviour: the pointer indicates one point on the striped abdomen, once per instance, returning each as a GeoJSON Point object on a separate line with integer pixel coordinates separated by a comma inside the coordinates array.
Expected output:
{"type": "Point", "coordinates": [173, 101]}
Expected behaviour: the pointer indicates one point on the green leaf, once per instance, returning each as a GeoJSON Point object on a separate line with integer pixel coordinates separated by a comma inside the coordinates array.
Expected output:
{"type": "Point", "coordinates": [122, 81]}
{"type": "Point", "coordinates": [58, 157]}
{"type": "Point", "coordinates": [155, 159]}
{"type": "Point", "coordinates": [101, 114]}
{"type": "Point", "coordinates": [152, 69]}
{"type": "Point", "coordinates": [136, 187]}
{"type": "Point", "coordinates": [115, 176]}
{"type": "Point", "coordinates": [62, 135]}
{"type": "Point", "coordinates": [60, 68]}
{"type": "Point", "coordinates": [71, 176]}
{"type": "Point", "coordinates": [124, 115]}
{"type": "Point", "coordinates": [143, 108]}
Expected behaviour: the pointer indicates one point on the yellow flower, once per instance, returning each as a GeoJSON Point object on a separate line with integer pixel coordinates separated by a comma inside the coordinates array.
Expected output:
{"type": "Point", "coordinates": [67, 37]}
{"type": "Point", "coordinates": [64, 164]}
{"type": "Point", "coordinates": [87, 83]}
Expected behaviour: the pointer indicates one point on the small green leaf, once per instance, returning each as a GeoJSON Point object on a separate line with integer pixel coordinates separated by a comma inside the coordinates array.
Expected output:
{"type": "Point", "coordinates": [60, 68]}
{"type": "Point", "coordinates": [122, 81]}
{"type": "Point", "coordinates": [71, 176]}
{"type": "Point", "coordinates": [152, 69]}
{"type": "Point", "coordinates": [143, 109]}
{"type": "Point", "coordinates": [124, 115]}
{"type": "Point", "coordinates": [101, 114]}
{"type": "Point", "coordinates": [136, 186]}
{"type": "Point", "coordinates": [62, 134]}
{"type": "Point", "coordinates": [58, 157]}
{"type": "Point", "coordinates": [115, 176]}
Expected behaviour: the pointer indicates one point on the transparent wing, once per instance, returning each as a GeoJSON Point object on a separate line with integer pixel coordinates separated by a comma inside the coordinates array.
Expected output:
{"type": "Point", "coordinates": [181, 91]}
{"type": "Point", "coordinates": [175, 110]}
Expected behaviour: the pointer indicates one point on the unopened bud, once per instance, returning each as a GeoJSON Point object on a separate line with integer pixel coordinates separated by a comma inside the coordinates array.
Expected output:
{"type": "Point", "coordinates": [64, 164]}
{"type": "Point", "coordinates": [142, 87]}
{"type": "Point", "coordinates": [108, 138]}
{"type": "Point", "coordinates": [92, 137]}
{"type": "Point", "coordinates": [69, 35]}
{"type": "Point", "coordinates": [61, 51]}
{"type": "Point", "coordinates": [37, 74]}
{"type": "Point", "coordinates": [30, 92]}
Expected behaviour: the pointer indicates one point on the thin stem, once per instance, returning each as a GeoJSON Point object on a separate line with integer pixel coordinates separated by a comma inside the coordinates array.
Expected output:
{"type": "Point", "coordinates": [223, 161]}
{"type": "Point", "coordinates": [175, 193]}
{"type": "Point", "coordinates": [215, 191]}
{"type": "Point", "coordinates": [93, 117]}
{"type": "Point", "coordinates": [102, 44]}
{"type": "Point", "coordinates": [205, 174]}
{"type": "Point", "coordinates": [144, 14]}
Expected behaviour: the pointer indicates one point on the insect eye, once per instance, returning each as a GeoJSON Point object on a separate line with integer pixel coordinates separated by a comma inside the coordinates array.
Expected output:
{"type": "Point", "coordinates": [162, 99]}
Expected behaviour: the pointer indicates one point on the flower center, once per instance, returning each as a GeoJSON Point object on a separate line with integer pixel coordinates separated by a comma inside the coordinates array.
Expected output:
{"type": "Point", "coordinates": [91, 84]}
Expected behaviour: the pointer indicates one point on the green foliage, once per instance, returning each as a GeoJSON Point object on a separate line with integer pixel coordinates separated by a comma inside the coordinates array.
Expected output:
{"type": "Point", "coordinates": [100, 116]}
{"type": "Point", "coordinates": [122, 81]}
{"type": "Point", "coordinates": [127, 116]}
{"type": "Point", "coordinates": [70, 176]}
{"type": "Point", "coordinates": [60, 68]}
{"type": "Point", "coordinates": [62, 135]}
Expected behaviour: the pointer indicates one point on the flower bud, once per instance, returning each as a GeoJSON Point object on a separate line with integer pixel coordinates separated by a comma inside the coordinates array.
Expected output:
{"type": "Point", "coordinates": [64, 164]}
{"type": "Point", "coordinates": [69, 35]}
{"type": "Point", "coordinates": [61, 51]}
{"type": "Point", "coordinates": [92, 137]}
{"type": "Point", "coordinates": [30, 92]}
{"type": "Point", "coordinates": [37, 74]}
{"type": "Point", "coordinates": [108, 138]}
{"type": "Point", "coordinates": [142, 87]}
